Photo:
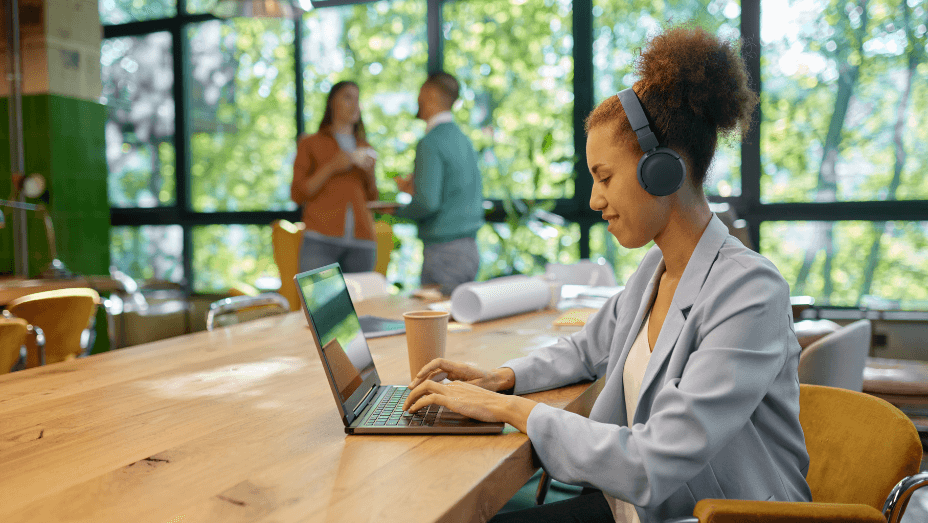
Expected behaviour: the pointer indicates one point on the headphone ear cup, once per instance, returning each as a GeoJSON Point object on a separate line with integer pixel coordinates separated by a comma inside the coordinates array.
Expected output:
{"type": "Point", "coordinates": [661, 171]}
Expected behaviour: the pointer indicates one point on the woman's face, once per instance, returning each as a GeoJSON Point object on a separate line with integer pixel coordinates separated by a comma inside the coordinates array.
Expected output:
{"type": "Point", "coordinates": [345, 107]}
{"type": "Point", "coordinates": [634, 216]}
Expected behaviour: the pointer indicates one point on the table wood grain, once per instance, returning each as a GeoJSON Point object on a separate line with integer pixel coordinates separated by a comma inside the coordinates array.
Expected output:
{"type": "Point", "coordinates": [239, 424]}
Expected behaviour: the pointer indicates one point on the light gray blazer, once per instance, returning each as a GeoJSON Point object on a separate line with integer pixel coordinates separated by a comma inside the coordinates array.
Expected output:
{"type": "Point", "coordinates": [718, 413]}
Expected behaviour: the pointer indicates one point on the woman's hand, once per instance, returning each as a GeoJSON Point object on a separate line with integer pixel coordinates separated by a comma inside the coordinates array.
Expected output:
{"type": "Point", "coordinates": [471, 401]}
{"type": "Point", "coordinates": [470, 392]}
{"type": "Point", "coordinates": [406, 184]}
{"type": "Point", "coordinates": [440, 368]}
{"type": "Point", "coordinates": [342, 161]}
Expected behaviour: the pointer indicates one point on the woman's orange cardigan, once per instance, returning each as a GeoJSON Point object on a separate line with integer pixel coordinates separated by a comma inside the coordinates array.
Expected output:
{"type": "Point", "coordinates": [325, 211]}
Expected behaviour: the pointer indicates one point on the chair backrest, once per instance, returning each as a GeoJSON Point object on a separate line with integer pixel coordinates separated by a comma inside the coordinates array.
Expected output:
{"type": "Point", "coordinates": [238, 309]}
{"type": "Point", "coordinates": [584, 272]}
{"type": "Point", "coordinates": [364, 285]}
{"type": "Point", "coordinates": [13, 333]}
{"type": "Point", "coordinates": [810, 331]}
{"type": "Point", "coordinates": [859, 446]}
{"type": "Point", "coordinates": [62, 314]}
{"type": "Point", "coordinates": [384, 232]}
{"type": "Point", "coordinates": [838, 359]}
{"type": "Point", "coordinates": [287, 237]}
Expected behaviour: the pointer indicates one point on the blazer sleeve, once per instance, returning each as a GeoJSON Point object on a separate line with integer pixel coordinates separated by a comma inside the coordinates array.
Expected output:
{"type": "Point", "coordinates": [743, 346]}
{"type": "Point", "coordinates": [428, 178]}
{"type": "Point", "coordinates": [304, 165]}
{"type": "Point", "coordinates": [581, 356]}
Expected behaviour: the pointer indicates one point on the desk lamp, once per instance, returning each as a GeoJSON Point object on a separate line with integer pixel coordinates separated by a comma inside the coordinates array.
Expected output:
{"type": "Point", "coordinates": [34, 186]}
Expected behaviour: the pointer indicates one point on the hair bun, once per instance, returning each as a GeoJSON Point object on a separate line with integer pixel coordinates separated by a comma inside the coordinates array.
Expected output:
{"type": "Point", "coordinates": [688, 69]}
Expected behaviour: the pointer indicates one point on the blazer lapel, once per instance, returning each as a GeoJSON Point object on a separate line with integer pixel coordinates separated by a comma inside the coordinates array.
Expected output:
{"type": "Point", "coordinates": [697, 269]}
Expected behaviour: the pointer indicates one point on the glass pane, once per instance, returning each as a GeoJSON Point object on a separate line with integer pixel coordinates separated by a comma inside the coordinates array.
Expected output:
{"type": "Point", "coordinates": [138, 83]}
{"type": "Point", "coordinates": [148, 252]}
{"type": "Point", "coordinates": [123, 11]}
{"type": "Point", "coordinates": [844, 101]}
{"type": "Point", "coordinates": [381, 46]}
{"type": "Point", "coordinates": [625, 261]}
{"type": "Point", "coordinates": [506, 250]}
{"type": "Point", "coordinates": [514, 61]}
{"type": "Point", "coordinates": [224, 255]}
{"type": "Point", "coordinates": [879, 265]}
{"type": "Point", "coordinates": [242, 114]}
{"type": "Point", "coordinates": [619, 32]}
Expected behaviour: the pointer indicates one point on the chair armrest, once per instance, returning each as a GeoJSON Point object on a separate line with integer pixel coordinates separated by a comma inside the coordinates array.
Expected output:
{"type": "Point", "coordinates": [898, 498]}
{"type": "Point", "coordinates": [741, 511]}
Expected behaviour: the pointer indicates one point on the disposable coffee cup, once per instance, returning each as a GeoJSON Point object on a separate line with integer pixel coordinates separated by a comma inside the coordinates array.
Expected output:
{"type": "Point", "coordinates": [426, 332]}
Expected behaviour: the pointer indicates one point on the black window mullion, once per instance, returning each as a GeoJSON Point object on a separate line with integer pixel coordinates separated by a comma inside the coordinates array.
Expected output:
{"type": "Point", "coordinates": [182, 141]}
{"type": "Point", "coordinates": [749, 203]}
{"type": "Point", "coordinates": [583, 105]}
{"type": "Point", "coordinates": [436, 46]}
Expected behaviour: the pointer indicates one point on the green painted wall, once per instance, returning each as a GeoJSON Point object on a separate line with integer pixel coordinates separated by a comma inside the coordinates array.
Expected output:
{"type": "Point", "coordinates": [64, 141]}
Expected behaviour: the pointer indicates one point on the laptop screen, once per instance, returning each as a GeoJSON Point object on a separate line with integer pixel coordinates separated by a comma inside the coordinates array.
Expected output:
{"type": "Point", "coordinates": [342, 345]}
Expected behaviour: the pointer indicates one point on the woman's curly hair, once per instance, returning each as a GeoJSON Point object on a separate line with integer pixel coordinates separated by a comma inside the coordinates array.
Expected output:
{"type": "Point", "coordinates": [693, 87]}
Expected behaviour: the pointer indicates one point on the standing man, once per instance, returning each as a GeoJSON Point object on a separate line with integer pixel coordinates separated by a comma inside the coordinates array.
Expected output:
{"type": "Point", "coordinates": [446, 189]}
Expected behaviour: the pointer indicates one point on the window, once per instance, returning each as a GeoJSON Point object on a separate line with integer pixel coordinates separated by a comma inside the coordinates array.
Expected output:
{"type": "Point", "coordinates": [844, 101]}
{"type": "Point", "coordinates": [514, 61]}
{"type": "Point", "coordinates": [242, 114]}
{"type": "Point", "coordinates": [138, 83]}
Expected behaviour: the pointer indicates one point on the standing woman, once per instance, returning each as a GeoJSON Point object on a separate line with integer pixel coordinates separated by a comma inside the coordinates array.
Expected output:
{"type": "Point", "coordinates": [333, 179]}
{"type": "Point", "coordinates": [699, 360]}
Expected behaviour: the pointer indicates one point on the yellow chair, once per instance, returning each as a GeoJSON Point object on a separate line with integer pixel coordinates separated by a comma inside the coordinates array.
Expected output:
{"type": "Point", "coordinates": [62, 315]}
{"type": "Point", "coordinates": [384, 233]}
{"type": "Point", "coordinates": [13, 333]}
{"type": "Point", "coordinates": [287, 237]}
{"type": "Point", "coordinates": [859, 448]}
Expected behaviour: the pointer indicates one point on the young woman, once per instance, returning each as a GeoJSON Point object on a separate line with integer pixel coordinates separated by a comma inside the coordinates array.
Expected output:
{"type": "Point", "coordinates": [701, 395]}
{"type": "Point", "coordinates": [333, 179]}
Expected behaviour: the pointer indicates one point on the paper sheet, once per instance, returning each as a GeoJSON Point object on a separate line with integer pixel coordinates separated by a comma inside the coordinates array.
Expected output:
{"type": "Point", "coordinates": [506, 296]}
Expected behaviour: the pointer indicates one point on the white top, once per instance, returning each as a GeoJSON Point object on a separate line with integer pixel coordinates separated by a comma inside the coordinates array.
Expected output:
{"type": "Point", "coordinates": [440, 118]}
{"type": "Point", "coordinates": [632, 378]}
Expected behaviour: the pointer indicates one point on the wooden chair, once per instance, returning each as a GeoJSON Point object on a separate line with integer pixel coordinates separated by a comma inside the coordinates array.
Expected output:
{"type": "Point", "coordinates": [286, 238]}
{"type": "Point", "coordinates": [864, 457]}
{"type": "Point", "coordinates": [838, 359]}
{"type": "Point", "coordinates": [13, 333]}
{"type": "Point", "coordinates": [62, 315]}
{"type": "Point", "coordinates": [384, 233]}
{"type": "Point", "coordinates": [238, 309]}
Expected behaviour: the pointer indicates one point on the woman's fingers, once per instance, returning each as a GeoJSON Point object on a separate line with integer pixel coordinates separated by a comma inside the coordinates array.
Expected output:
{"type": "Point", "coordinates": [424, 389]}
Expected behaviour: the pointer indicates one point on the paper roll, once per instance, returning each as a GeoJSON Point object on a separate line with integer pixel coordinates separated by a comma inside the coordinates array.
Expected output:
{"type": "Point", "coordinates": [506, 296]}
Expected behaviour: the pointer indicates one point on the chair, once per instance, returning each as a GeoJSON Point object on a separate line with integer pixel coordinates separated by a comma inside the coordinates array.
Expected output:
{"type": "Point", "coordinates": [364, 285]}
{"type": "Point", "coordinates": [810, 331]}
{"type": "Point", "coordinates": [287, 237]}
{"type": "Point", "coordinates": [859, 448]}
{"type": "Point", "coordinates": [736, 227]}
{"type": "Point", "coordinates": [137, 314]}
{"type": "Point", "coordinates": [584, 272]}
{"type": "Point", "coordinates": [62, 315]}
{"type": "Point", "coordinates": [384, 232]}
{"type": "Point", "coordinates": [238, 309]}
{"type": "Point", "coordinates": [838, 359]}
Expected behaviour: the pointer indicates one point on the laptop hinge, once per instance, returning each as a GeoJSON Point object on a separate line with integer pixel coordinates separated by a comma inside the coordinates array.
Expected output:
{"type": "Point", "coordinates": [363, 403]}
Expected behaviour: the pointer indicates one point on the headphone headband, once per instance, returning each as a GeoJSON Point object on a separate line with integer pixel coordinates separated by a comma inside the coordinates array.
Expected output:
{"type": "Point", "coordinates": [636, 117]}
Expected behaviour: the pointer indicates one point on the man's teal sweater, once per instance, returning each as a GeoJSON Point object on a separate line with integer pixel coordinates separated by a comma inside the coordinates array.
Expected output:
{"type": "Point", "coordinates": [448, 203]}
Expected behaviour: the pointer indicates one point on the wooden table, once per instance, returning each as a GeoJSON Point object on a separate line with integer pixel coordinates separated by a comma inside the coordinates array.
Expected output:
{"type": "Point", "coordinates": [14, 287]}
{"type": "Point", "coordinates": [239, 424]}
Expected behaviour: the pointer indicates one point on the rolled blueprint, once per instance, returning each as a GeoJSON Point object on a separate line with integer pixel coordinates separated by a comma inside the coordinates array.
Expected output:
{"type": "Point", "coordinates": [499, 297]}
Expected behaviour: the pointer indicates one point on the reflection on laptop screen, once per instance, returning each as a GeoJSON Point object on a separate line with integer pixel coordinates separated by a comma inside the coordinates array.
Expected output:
{"type": "Point", "coordinates": [343, 345]}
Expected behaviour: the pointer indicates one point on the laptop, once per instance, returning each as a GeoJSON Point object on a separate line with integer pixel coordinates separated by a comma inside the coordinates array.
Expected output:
{"type": "Point", "coordinates": [366, 405]}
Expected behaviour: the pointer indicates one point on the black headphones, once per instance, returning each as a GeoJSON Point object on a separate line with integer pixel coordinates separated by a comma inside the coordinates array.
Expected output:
{"type": "Point", "coordinates": [660, 170]}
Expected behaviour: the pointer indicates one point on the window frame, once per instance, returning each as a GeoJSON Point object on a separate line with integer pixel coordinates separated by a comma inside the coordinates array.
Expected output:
{"type": "Point", "coordinates": [747, 205]}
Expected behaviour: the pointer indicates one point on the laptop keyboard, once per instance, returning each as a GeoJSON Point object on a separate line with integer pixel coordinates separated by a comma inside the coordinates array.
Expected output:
{"type": "Point", "coordinates": [389, 412]}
